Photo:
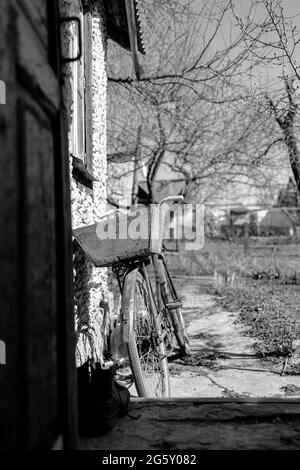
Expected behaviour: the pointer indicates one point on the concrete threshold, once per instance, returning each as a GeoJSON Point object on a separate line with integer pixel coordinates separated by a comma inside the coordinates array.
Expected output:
{"type": "Point", "coordinates": [204, 400]}
{"type": "Point", "coordinates": [205, 424]}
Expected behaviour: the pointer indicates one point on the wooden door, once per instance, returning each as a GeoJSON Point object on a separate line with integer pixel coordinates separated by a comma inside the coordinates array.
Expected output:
{"type": "Point", "coordinates": [37, 383]}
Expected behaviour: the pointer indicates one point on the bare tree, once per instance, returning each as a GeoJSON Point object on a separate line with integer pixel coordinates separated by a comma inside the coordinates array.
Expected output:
{"type": "Point", "coordinates": [274, 38]}
{"type": "Point", "coordinates": [204, 146]}
{"type": "Point", "coordinates": [187, 111]}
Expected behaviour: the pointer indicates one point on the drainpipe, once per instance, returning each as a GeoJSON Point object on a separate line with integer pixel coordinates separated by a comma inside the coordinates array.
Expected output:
{"type": "Point", "coordinates": [133, 36]}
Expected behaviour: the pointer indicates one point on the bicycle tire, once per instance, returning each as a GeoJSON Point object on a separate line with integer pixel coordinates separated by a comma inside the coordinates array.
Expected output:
{"type": "Point", "coordinates": [173, 317]}
{"type": "Point", "coordinates": [146, 350]}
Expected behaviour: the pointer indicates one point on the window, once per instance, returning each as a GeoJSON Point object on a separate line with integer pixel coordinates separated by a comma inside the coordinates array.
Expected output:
{"type": "Point", "coordinates": [77, 134]}
{"type": "Point", "coordinates": [81, 146]}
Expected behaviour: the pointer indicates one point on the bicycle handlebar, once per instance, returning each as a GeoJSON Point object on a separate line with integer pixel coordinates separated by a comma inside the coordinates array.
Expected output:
{"type": "Point", "coordinates": [171, 198]}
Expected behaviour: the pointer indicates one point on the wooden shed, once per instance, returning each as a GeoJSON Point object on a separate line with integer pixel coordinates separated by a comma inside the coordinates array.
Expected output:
{"type": "Point", "coordinates": [277, 221]}
{"type": "Point", "coordinates": [37, 406]}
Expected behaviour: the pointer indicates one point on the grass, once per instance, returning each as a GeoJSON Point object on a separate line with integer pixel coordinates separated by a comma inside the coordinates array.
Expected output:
{"type": "Point", "coordinates": [229, 257]}
{"type": "Point", "coordinates": [270, 310]}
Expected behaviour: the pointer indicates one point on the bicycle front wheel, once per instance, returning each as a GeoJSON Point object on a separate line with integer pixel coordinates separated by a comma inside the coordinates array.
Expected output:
{"type": "Point", "coordinates": [146, 349]}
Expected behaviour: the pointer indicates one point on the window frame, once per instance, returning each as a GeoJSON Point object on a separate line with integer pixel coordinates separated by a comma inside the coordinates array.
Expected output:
{"type": "Point", "coordinates": [81, 142]}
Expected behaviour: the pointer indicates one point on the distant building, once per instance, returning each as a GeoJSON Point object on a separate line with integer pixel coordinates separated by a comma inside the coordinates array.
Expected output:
{"type": "Point", "coordinates": [233, 226]}
{"type": "Point", "coordinates": [289, 196]}
{"type": "Point", "coordinates": [278, 221]}
{"type": "Point", "coordinates": [160, 189]}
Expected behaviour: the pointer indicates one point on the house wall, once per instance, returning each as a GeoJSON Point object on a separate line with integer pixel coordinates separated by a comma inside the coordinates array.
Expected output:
{"type": "Point", "coordinates": [92, 298]}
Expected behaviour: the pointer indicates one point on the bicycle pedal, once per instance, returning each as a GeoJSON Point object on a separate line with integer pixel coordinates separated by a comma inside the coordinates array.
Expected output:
{"type": "Point", "coordinates": [174, 305]}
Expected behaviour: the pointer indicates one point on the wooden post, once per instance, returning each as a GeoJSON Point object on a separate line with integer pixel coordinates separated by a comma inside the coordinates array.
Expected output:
{"type": "Point", "coordinates": [246, 236]}
{"type": "Point", "coordinates": [135, 166]}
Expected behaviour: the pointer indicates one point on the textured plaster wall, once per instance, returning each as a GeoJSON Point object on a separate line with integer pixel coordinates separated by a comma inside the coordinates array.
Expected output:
{"type": "Point", "coordinates": [93, 301]}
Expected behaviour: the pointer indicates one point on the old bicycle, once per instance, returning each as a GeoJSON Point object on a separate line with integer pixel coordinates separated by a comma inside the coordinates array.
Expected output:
{"type": "Point", "coordinates": [150, 321]}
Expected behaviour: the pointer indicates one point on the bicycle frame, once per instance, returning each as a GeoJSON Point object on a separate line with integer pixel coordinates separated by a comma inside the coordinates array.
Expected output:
{"type": "Point", "coordinates": [124, 317]}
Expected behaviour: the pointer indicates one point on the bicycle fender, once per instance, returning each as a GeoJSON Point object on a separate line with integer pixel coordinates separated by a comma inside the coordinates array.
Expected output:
{"type": "Point", "coordinates": [128, 306]}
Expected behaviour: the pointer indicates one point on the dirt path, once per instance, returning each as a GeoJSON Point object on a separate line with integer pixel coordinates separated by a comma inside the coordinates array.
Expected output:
{"type": "Point", "coordinates": [223, 362]}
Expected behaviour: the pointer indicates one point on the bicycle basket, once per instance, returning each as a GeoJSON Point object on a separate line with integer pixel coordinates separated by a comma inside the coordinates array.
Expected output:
{"type": "Point", "coordinates": [119, 237]}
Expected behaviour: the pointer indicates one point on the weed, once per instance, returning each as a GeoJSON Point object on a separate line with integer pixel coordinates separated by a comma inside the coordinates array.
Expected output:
{"type": "Point", "coordinates": [291, 389]}
{"type": "Point", "coordinates": [174, 369]}
{"type": "Point", "coordinates": [271, 315]}
{"type": "Point", "coordinates": [223, 279]}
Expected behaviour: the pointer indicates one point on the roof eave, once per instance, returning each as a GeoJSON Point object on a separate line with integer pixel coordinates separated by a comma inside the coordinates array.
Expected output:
{"type": "Point", "coordinates": [132, 29]}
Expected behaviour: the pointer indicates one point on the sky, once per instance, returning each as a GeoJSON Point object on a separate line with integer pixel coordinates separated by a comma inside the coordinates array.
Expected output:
{"type": "Point", "coordinates": [291, 8]}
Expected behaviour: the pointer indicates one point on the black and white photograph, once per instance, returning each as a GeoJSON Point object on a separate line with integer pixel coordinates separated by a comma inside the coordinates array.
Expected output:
{"type": "Point", "coordinates": [149, 228]}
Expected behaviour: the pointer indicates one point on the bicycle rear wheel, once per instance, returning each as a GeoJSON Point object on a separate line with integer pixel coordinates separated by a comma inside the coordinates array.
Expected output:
{"type": "Point", "coordinates": [173, 319]}
{"type": "Point", "coordinates": [146, 349]}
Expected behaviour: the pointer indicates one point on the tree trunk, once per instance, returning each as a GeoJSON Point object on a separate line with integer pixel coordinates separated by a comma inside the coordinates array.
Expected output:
{"type": "Point", "coordinates": [294, 154]}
